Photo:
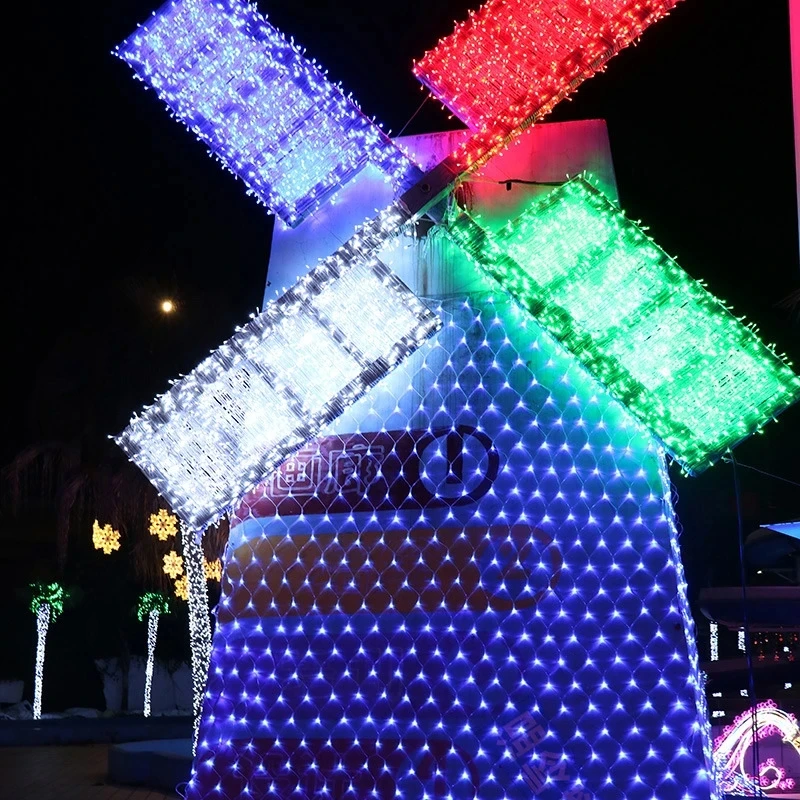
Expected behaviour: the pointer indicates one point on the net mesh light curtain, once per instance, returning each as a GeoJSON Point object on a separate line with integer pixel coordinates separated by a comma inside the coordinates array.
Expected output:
{"type": "Point", "coordinates": [469, 587]}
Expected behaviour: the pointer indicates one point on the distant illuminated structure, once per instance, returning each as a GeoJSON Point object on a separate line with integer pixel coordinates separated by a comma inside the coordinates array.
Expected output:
{"type": "Point", "coordinates": [731, 750]}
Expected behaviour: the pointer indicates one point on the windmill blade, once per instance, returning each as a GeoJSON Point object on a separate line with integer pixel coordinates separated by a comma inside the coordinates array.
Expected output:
{"type": "Point", "coordinates": [510, 63]}
{"type": "Point", "coordinates": [666, 348]}
{"type": "Point", "coordinates": [524, 56]}
{"type": "Point", "coordinates": [293, 369]}
{"type": "Point", "coordinates": [266, 112]}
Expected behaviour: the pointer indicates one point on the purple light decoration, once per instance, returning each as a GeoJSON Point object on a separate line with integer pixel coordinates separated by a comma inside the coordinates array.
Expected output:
{"type": "Point", "coordinates": [470, 586]}
{"type": "Point", "coordinates": [266, 112]}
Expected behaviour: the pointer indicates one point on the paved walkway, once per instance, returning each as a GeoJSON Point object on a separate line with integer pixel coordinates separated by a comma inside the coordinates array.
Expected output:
{"type": "Point", "coordinates": [63, 772]}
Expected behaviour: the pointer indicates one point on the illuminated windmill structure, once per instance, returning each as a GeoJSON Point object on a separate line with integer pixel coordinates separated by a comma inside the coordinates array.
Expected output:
{"type": "Point", "coordinates": [465, 583]}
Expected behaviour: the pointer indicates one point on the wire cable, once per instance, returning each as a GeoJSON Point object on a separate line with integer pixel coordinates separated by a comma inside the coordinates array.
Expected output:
{"type": "Point", "coordinates": [419, 108]}
{"type": "Point", "coordinates": [761, 471]}
{"type": "Point", "coordinates": [748, 649]}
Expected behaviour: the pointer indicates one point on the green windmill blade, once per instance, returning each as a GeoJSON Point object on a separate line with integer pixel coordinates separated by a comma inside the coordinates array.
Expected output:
{"type": "Point", "coordinates": [691, 371]}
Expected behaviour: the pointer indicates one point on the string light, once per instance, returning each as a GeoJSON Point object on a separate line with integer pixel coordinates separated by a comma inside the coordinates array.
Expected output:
{"type": "Point", "coordinates": [150, 605]}
{"type": "Point", "coordinates": [510, 63]}
{"type": "Point", "coordinates": [471, 581]}
{"type": "Point", "coordinates": [714, 630]}
{"type": "Point", "coordinates": [732, 746]}
{"type": "Point", "coordinates": [266, 112]}
{"type": "Point", "coordinates": [199, 622]}
{"type": "Point", "coordinates": [42, 624]}
{"type": "Point", "coordinates": [529, 54]}
{"type": "Point", "coordinates": [163, 525]}
{"type": "Point", "coordinates": [280, 379]}
{"type": "Point", "coordinates": [104, 538]}
{"type": "Point", "coordinates": [658, 341]}
{"type": "Point", "coordinates": [47, 602]}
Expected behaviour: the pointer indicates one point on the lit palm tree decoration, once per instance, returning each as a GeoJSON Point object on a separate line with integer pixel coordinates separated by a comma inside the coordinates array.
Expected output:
{"type": "Point", "coordinates": [47, 603]}
{"type": "Point", "coordinates": [151, 605]}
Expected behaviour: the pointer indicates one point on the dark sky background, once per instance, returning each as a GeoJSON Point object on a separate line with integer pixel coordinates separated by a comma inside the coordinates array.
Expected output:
{"type": "Point", "coordinates": [114, 206]}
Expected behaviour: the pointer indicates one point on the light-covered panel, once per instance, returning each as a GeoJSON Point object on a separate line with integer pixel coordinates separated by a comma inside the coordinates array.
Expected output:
{"type": "Point", "coordinates": [529, 54]}
{"type": "Point", "coordinates": [511, 62]}
{"type": "Point", "coordinates": [291, 370]}
{"type": "Point", "coordinates": [698, 377]}
{"type": "Point", "coordinates": [265, 111]}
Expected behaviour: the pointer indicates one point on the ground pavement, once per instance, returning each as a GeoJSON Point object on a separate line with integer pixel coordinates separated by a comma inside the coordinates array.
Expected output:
{"type": "Point", "coordinates": [63, 772]}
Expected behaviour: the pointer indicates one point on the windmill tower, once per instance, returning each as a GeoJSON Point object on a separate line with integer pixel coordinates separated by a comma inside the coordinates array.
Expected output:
{"type": "Point", "coordinates": [465, 582]}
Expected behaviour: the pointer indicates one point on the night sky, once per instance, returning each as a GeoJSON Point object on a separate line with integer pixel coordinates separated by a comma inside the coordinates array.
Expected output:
{"type": "Point", "coordinates": [114, 206]}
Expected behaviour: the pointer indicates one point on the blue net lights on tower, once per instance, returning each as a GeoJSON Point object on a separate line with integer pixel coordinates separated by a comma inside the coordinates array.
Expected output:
{"type": "Point", "coordinates": [469, 587]}
{"type": "Point", "coordinates": [461, 577]}
{"type": "Point", "coordinates": [264, 110]}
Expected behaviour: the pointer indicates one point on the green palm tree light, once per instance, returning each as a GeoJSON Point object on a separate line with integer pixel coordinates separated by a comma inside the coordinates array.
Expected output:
{"type": "Point", "coordinates": [47, 603]}
{"type": "Point", "coordinates": [151, 605]}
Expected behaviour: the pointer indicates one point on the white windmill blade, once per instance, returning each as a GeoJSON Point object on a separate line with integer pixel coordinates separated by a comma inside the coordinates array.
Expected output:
{"type": "Point", "coordinates": [282, 377]}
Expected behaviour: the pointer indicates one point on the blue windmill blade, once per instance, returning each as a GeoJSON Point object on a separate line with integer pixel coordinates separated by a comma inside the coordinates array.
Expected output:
{"type": "Point", "coordinates": [266, 112]}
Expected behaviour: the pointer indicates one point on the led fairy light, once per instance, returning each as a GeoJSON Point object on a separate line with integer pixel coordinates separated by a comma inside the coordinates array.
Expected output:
{"type": "Point", "coordinates": [694, 679]}
{"type": "Point", "coordinates": [150, 605]}
{"type": "Point", "coordinates": [199, 620]}
{"type": "Point", "coordinates": [42, 624]}
{"type": "Point", "coordinates": [280, 378]}
{"type": "Point", "coordinates": [182, 587]}
{"type": "Point", "coordinates": [47, 603]}
{"type": "Point", "coordinates": [731, 750]}
{"type": "Point", "coordinates": [471, 580]}
{"type": "Point", "coordinates": [268, 114]}
{"type": "Point", "coordinates": [663, 345]}
{"type": "Point", "coordinates": [529, 54]}
{"type": "Point", "coordinates": [512, 61]}
{"type": "Point", "coordinates": [714, 635]}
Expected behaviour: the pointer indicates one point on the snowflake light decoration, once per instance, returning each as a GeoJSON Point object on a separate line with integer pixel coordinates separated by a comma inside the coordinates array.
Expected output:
{"type": "Point", "coordinates": [105, 538]}
{"type": "Point", "coordinates": [173, 564]}
{"type": "Point", "coordinates": [163, 524]}
{"type": "Point", "coordinates": [213, 569]}
{"type": "Point", "coordinates": [182, 587]}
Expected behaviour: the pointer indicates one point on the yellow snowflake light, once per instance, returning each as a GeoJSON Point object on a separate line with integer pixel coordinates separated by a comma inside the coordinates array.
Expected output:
{"type": "Point", "coordinates": [163, 524]}
{"type": "Point", "coordinates": [182, 587]}
{"type": "Point", "coordinates": [213, 569]}
{"type": "Point", "coordinates": [173, 564]}
{"type": "Point", "coordinates": [105, 538]}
